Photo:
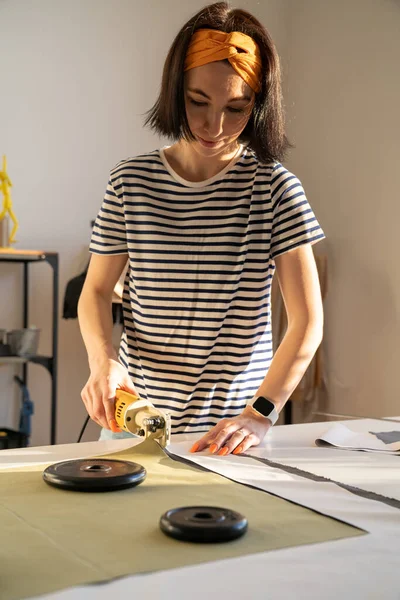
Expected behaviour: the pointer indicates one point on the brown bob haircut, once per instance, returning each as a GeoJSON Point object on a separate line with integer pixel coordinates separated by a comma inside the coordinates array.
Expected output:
{"type": "Point", "coordinates": [265, 130]}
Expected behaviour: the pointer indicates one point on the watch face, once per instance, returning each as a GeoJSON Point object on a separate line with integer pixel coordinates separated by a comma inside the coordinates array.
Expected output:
{"type": "Point", "coordinates": [264, 406]}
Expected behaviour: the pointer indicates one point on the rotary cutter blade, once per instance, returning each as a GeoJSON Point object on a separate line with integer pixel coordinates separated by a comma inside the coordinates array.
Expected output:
{"type": "Point", "coordinates": [205, 524]}
{"type": "Point", "coordinates": [94, 475]}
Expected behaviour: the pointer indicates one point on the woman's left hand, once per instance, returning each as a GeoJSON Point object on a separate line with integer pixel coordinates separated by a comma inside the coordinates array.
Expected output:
{"type": "Point", "coordinates": [235, 435]}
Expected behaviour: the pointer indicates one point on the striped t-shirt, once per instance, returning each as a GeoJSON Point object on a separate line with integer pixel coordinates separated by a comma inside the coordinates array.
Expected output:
{"type": "Point", "coordinates": [197, 338]}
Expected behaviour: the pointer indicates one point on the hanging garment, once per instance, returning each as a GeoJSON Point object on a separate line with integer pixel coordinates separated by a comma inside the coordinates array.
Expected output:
{"type": "Point", "coordinates": [73, 292]}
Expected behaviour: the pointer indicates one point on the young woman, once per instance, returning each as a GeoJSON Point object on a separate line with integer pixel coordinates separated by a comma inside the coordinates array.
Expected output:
{"type": "Point", "coordinates": [204, 223]}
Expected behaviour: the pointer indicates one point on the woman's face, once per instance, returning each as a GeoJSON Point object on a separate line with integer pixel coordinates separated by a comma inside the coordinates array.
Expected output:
{"type": "Point", "coordinates": [218, 106]}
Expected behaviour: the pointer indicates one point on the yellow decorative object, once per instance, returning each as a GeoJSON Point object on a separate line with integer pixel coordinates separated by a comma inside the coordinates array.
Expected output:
{"type": "Point", "coordinates": [5, 185]}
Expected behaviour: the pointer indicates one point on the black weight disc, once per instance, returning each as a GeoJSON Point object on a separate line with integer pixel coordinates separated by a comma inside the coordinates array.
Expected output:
{"type": "Point", "coordinates": [94, 475]}
{"type": "Point", "coordinates": [207, 524]}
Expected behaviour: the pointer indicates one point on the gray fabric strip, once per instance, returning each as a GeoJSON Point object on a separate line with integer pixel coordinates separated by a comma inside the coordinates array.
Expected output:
{"type": "Point", "coordinates": [192, 464]}
{"type": "Point", "coordinates": [350, 488]}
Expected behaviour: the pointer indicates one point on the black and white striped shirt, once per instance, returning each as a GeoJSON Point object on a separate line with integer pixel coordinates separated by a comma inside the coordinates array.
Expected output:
{"type": "Point", "coordinates": [197, 329]}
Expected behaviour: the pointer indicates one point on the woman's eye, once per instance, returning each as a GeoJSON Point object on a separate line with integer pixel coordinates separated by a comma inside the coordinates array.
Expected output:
{"type": "Point", "coordinates": [235, 110]}
{"type": "Point", "coordinates": [229, 108]}
{"type": "Point", "coordinates": [197, 103]}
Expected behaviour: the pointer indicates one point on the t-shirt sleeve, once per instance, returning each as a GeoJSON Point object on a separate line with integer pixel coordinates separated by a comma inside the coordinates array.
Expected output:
{"type": "Point", "coordinates": [109, 230]}
{"type": "Point", "coordinates": [294, 223]}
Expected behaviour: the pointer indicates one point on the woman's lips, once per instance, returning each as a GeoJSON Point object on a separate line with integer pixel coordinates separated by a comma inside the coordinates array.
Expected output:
{"type": "Point", "coordinates": [206, 143]}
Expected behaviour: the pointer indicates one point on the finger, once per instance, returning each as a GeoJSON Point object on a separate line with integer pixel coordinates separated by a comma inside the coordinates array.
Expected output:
{"type": "Point", "coordinates": [92, 416]}
{"type": "Point", "coordinates": [97, 413]}
{"type": "Point", "coordinates": [89, 395]}
{"type": "Point", "coordinates": [224, 435]}
{"type": "Point", "coordinates": [100, 410]}
{"type": "Point", "coordinates": [233, 442]}
{"type": "Point", "coordinates": [202, 443]}
{"type": "Point", "coordinates": [248, 442]}
{"type": "Point", "coordinates": [109, 411]}
{"type": "Point", "coordinates": [109, 403]}
{"type": "Point", "coordinates": [108, 399]}
{"type": "Point", "coordinates": [97, 422]}
{"type": "Point", "coordinates": [88, 402]}
{"type": "Point", "coordinates": [208, 438]}
{"type": "Point", "coordinates": [127, 386]}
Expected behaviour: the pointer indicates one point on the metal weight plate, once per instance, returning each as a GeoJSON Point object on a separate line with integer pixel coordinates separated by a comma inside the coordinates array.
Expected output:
{"type": "Point", "coordinates": [206, 524]}
{"type": "Point", "coordinates": [94, 475]}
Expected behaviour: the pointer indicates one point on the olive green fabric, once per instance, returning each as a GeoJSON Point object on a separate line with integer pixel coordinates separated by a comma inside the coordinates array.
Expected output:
{"type": "Point", "coordinates": [53, 539]}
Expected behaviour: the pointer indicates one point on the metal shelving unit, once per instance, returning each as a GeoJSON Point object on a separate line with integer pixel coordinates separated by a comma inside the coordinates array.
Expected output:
{"type": "Point", "coordinates": [26, 257]}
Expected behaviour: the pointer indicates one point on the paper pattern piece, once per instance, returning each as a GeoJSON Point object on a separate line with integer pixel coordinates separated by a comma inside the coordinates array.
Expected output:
{"type": "Point", "coordinates": [387, 437]}
{"type": "Point", "coordinates": [341, 436]}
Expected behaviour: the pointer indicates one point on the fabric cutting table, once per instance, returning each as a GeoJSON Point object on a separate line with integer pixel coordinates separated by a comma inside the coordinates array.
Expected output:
{"type": "Point", "coordinates": [361, 489]}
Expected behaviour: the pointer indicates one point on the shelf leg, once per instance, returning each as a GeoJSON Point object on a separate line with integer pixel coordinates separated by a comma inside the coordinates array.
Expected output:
{"type": "Point", "coordinates": [53, 262]}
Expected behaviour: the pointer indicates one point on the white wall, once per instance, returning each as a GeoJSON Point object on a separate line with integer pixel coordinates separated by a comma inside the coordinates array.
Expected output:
{"type": "Point", "coordinates": [76, 78]}
{"type": "Point", "coordinates": [343, 99]}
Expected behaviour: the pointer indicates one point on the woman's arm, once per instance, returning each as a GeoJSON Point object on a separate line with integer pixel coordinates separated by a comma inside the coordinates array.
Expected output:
{"type": "Point", "coordinates": [299, 283]}
{"type": "Point", "coordinates": [298, 279]}
{"type": "Point", "coordinates": [95, 304]}
{"type": "Point", "coordinates": [95, 320]}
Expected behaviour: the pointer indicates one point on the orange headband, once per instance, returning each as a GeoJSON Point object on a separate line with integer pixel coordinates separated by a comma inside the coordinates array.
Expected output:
{"type": "Point", "coordinates": [209, 45]}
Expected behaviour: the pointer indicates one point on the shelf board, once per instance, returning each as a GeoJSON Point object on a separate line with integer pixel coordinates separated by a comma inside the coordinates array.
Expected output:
{"type": "Point", "coordinates": [20, 360]}
{"type": "Point", "coordinates": [10, 360]}
{"type": "Point", "coordinates": [19, 255]}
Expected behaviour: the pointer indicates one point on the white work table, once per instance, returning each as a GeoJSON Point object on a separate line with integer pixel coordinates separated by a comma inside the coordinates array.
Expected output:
{"type": "Point", "coordinates": [361, 567]}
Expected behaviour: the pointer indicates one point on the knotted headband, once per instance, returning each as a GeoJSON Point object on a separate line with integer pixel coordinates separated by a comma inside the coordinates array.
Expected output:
{"type": "Point", "coordinates": [209, 45]}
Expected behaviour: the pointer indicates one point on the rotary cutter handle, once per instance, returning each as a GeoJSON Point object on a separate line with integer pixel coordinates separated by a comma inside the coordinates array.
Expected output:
{"type": "Point", "coordinates": [140, 417]}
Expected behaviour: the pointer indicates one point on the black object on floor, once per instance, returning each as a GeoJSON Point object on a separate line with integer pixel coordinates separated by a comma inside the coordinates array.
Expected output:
{"type": "Point", "coordinates": [205, 524]}
{"type": "Point", "coordinates": [9, 438]}
{"type": "Point", "coordinates": [5, 350]}
{"type": "Point", "coordinates": [94, 475]}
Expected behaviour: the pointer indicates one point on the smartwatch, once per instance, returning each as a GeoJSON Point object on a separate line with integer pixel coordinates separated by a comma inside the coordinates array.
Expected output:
{"type": "Point", "coordinates": [265, 407]}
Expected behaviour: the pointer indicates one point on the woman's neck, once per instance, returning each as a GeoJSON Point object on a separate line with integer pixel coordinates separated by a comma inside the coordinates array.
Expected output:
{"type": "Point", "coordinates": [192, 166]}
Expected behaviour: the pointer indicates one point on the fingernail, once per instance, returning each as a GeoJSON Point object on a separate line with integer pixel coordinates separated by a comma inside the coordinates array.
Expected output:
{"type": "Point", "coordinates": [114, 426]}
{"type": "Point", "coordinates": [213, 448]}
{"type": "Point", "coordinates": [194, 448]}
{"type": "Point", "coordinates": [238, 450]}
{"type": "Point", "coordinates": [223, 451]}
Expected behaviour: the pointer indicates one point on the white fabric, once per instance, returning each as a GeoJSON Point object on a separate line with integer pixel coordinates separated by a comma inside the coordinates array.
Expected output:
{"type": "Point", "coordinates": [294, 446]}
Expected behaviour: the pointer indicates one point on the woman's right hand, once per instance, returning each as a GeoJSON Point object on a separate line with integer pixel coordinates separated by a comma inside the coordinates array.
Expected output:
{"type": "Point", "coordinates": [98, 395]}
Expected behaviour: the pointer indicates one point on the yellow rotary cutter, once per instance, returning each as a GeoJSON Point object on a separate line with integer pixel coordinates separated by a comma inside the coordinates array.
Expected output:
{"type": "Point", "coordinates": [140, 417]}
{"type": "Point", "coordinates": [132, 414]}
